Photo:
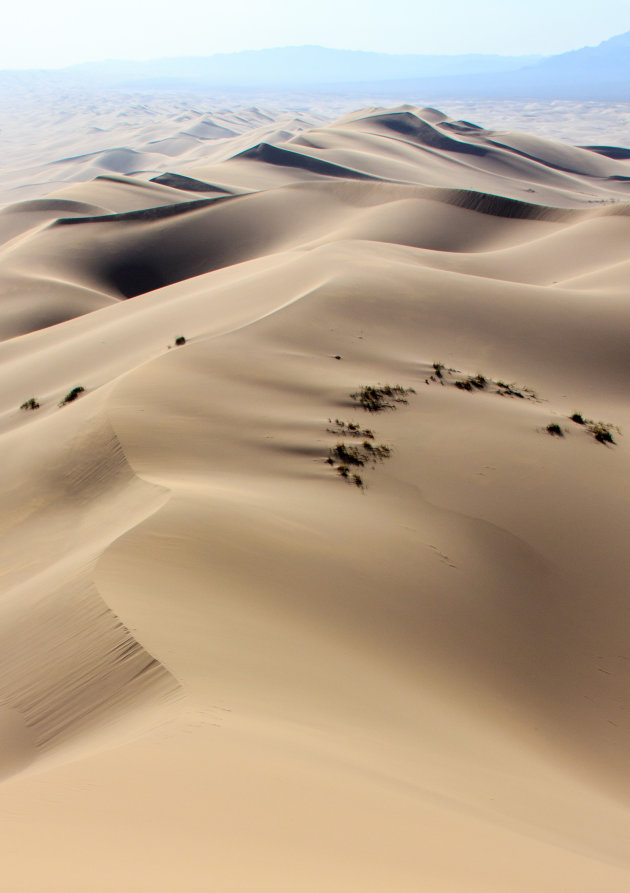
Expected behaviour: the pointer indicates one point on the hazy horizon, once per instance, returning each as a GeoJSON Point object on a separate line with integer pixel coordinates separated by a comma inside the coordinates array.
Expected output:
{"type": "Point", "coordinates": [43, 36]}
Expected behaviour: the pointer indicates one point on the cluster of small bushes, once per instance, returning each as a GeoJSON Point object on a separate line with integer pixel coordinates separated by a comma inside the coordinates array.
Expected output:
{"type": "Point", "coordinates": [600, 431]}
{"type": "Point", "coordinates": [346, 457]}
{"type": "Point", "coordinates": [477, 382]}
{"type": "Point", "coordinates": [32, 403]}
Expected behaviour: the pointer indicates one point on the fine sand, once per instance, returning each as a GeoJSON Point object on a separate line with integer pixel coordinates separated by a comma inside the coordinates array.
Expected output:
{"type": "Point", "coordinates": [229, 664]}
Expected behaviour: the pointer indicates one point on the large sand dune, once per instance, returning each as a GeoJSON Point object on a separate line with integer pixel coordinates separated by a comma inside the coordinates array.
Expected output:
{"type": "Point", "coordinates": [228, 666]}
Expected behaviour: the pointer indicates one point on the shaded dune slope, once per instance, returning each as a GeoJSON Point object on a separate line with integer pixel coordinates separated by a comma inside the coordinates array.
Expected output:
{"type": "Point", "coordinates": [138, 249]}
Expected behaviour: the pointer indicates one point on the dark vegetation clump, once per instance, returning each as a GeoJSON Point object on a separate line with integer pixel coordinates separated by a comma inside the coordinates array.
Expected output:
{"type": "Point", "coordinates": [72, 395]}
{"type": "Point", "coordinates": [474, 382]}
{"type": "Point", "coordinates": [180, 340]}
{"type": "Point", "coordinates": [601, 432]}
{"type": "Point", "coordinates": [477, 382]}
{"type": "Point", "coordinates": [347, 455]}
{"type": "Point", "coordinates": [375, 399]}
{"type": "Point", "coordinates": [555, 430]}
{"type": "Point", "coordinates": [439, 369]}
{"type": "Point", "coordinates": [31, 403]}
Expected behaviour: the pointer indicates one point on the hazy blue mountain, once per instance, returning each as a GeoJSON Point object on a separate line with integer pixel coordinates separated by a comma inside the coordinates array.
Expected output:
{"type": "Point", "coordinates": [295, 66]}
{"type": "Point", "coordinates": [600, 72]}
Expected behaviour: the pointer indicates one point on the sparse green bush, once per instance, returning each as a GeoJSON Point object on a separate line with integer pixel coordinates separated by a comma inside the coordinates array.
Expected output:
{"type": "Point", "coordinates": [439, 369]}
{"type": "Point", "coordinates": [180, 340]}
{"type": "Point", "coordinates": [578, 418]}
{"type": "Point", "coordinates": [31, 403]}
{"type": "Point", "coordinates": [72, 395]}
{"type": "Point", "coordinates": [555, 430]}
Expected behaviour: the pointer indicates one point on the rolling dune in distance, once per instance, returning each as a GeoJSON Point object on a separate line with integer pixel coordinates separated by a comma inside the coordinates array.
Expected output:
{"type": "Point", "coordinates": [314, 561]}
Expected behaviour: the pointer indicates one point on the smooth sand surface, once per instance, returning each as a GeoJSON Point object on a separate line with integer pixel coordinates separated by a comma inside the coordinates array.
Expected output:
{"type": "Point", "coordinates": [227, 666]}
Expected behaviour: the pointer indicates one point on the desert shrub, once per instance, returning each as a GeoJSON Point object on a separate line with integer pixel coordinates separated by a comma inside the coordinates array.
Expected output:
{"type": "Point", "coordinates": [180, 340]}
{"type": "Point", "coordinates": [601, 432]}
{"type": "Point", "coordinates": [555, 430]}
{"type": "Point", "coordinates": [349, 429]}
{"type": "Point", "coordinates": [509, 390]}
{"type": "Point", "coordinates": [439, 369]}
{"type": "Point", "coordinates": [375, 399]}
{"type": "Point", "coordinates": [464, 385]}
{"type": "Point", "coordinates": [72, 395]}
{"type": "Point", "coordinates": [31, 403]}
{"type": "Point", "coordinates": [512, 390]}
{"type": "Point", "coordinates": [578, 418]}
{"type": "Point", "coordinates": [381, 452]}
{"type": "Point", "coordinates": [347, 455]}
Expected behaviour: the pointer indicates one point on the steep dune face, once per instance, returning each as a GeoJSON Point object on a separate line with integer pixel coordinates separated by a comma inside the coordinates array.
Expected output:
{"type": "Point", "coordinates": [334, 641]}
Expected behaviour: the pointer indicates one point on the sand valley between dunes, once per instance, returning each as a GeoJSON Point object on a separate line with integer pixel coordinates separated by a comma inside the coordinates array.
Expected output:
{"type": "Point", "coordinates": [314, 551]}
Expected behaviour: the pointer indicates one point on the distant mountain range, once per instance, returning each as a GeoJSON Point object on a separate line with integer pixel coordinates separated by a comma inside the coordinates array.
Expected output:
{"type": "Point", "coordinates": [601, 72]}
{"type": "Point", "coordinates": [305, 66]}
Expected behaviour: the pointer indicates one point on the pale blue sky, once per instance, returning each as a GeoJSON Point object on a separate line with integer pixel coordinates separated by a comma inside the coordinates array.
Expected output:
{"type": "Point", "coordinates": [54, 33]}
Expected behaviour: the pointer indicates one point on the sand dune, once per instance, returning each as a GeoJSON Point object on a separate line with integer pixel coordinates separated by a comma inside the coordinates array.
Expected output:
{"type": "Point", "coordinates": [227, 664]}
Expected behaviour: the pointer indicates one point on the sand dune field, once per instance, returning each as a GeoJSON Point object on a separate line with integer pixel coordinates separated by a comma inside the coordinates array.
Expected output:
{"type": "Point", "coordinates": [331, 595]}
